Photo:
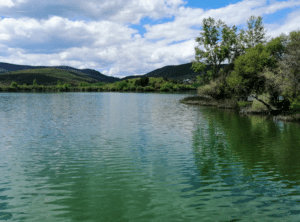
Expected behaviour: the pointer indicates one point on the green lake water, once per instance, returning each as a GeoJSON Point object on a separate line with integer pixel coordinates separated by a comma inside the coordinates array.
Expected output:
{"type": "Point", "coordinates": [143, 157]}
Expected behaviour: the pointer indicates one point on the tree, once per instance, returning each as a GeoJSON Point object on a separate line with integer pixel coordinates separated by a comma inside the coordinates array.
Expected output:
{"type": "Point", "coordinates": [222, 43]}
{"type": "Point", "coordinates": [258, 71]}
{"type": "Point", "coordinates": [214, 53]}
{"type": "Point", "coordinates": [255, 34]}
{"type": "Point", "coordinates": [289, 68]}
{"type": "Point", "coordinates": [14, 84]}
{"type": "Point", "coordinates": [246, 78]}
{"type": "Point", "coordinates": [35, 82]}
{"type": "Point", "coordinates": [143, 81]}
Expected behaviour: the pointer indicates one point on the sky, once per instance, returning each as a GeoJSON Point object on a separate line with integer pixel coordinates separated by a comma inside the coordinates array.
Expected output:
{"type": "Point", "coordinates": [124, 37]}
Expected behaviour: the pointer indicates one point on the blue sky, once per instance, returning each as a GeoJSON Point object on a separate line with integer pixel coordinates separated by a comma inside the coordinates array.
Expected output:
{"type": "Point", "coordinates": [124, 37]}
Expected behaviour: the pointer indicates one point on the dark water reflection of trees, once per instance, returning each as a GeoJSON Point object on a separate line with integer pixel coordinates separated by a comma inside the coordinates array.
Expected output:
{"type": "Point", "coordinates": [251, 140]}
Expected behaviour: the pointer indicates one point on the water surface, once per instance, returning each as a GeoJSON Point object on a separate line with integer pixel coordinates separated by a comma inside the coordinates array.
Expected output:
{"type": "Point", "coordinates": [142, 157]}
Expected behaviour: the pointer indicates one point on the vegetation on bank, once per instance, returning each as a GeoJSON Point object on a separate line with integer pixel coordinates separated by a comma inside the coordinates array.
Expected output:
{"type": "Point", "coordinates": [133, 85]}
{"type": "Point", "coordinates": [263, 69]}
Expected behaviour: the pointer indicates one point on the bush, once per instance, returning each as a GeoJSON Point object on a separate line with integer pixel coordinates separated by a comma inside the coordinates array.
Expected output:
{"type": "Point", "coordinates": [34, 82]}
{"type": "Point", "coordinates": [295, 105]}
{"type": "Point", "coordinates": [149, 88]}
{"type": "Point", "coordinates": [121, 85]}
{"type": "Point", "coordinates": [132, 88]}
{"type": "Point", "coordinates": [218, 89]}
{"type": "Point", "coordinates": [66, 86]}
{"type": "Point", "coordinates": [139, 88]}
{"type": "Point", "coordinates": [82, 84]}
{"type": "Point", "coordinates": [144, 81]}
{"type": "Point", "coordinates": [166, 87]}
{"type": "Point", "coordinates": [14, 84]}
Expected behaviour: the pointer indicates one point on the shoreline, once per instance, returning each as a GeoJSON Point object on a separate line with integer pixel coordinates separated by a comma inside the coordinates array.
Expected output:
{"type": "Point", "coordinates": [80, 89]}
{"type": "Point", "coordinates": [242, 109]}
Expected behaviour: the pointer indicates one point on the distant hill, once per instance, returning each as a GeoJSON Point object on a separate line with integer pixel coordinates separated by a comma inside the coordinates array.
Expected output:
{"type": "Point", "coordinates": [49, 74]}
{"type": "Point", "coordinates": [45, 76]}
{"type": "Point", "coordinates": [85, 73]}
{"type": "Point", "coordinates": [176, 72]}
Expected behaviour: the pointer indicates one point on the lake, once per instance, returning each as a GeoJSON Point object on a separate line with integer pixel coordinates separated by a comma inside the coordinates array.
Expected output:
{"type": "Point", "coordinates": [143, 157]}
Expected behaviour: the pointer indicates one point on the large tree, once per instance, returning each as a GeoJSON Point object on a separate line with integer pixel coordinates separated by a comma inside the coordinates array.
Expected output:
{"type": "Point", "coordinates": [214, 53]}
{"type": "Point", "coordinates": [288, 72]}
{"type": "Point", "coordinates": [222, 43]}
{"type": "Point", "coordinates": [257, 71]}
{"type": "Point", "coordinates": [255, 34]}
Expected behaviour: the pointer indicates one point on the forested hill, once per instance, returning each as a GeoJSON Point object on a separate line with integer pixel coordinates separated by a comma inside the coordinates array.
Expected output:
{"type": "Point", "coordinates": [93, 74]}
{"type": "Point", "coordinates": [176, 72]}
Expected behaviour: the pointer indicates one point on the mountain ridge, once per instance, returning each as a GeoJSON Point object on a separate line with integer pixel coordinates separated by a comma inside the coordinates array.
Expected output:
{"type": "Point", "coordinates": [97, 76]}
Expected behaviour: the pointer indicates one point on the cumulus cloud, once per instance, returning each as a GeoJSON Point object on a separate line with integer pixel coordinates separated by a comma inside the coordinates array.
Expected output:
{"type": "Point", "coordinates": [129, 11]}
{"type": "Point", "coordinates": [97, 34]}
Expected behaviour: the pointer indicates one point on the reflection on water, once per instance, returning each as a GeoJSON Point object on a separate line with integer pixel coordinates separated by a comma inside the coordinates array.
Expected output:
{"type": "Point", "coordinates": [142, 157]}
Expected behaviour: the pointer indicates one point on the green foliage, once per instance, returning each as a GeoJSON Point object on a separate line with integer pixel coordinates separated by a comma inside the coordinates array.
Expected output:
{"type": "Point", "coordinates": [166, 87]}
{"type": "Point", "coordinates": [214, 53]}
{"type": "Point", "coordinates": [149, 89]}
{"type": "Point", "coordinates": [82, 84]}
{"type": "Point", "coordinates": [285, 79]}
{"type": "Point", "coordinates": [295, 104]}
{"type": "Point", "coordinates": [245, 78]}
{"type": "Point", "coordinates": [144, 81]}
{"type": "Point", "coordinates": [255, 34]}
{"type": "Point", "coordinates": [14, 84]}
{"type": "Point", "coordinates": [244, 104]}
{"type": "Point", "coordinates": [221, 42]}
{"type": "Point", "coordinates": [34, 82]}
{"type": "Point", "coordinates": [218, 89]}
{"type": "Point", "coordinates": [121, 85]}
{"type": "Point", "coordinates": [59, 83]}
{"type": "Point", "coordinates": [66, 85]}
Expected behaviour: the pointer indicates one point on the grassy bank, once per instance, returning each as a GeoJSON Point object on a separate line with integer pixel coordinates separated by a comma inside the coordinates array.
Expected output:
{"type": "Point", "coordinates": [244, 108]}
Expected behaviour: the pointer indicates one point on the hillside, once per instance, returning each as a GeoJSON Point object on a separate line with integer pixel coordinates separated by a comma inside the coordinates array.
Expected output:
{"type": "Point", "coordinates": [175, 72]}
{"type": "Point", "coordinates": [45, 76]}
{"type": "Point", "coordinates": [86, 73]}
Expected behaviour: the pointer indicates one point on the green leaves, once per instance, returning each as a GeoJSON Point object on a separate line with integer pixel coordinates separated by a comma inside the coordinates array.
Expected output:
{"type": "Point", "coordinates": [219, 42]}
{"type": "Point", "coordinates": [256, 32]}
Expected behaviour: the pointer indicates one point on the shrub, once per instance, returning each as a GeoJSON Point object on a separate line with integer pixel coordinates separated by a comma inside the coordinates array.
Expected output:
{"type": "Point", "coordinates": [59, 83]}
{"type": "Point", "coordinates": [66, 86]}
{"type": "Point", "coordinates": [121, 85]}
{"type": "Point", "coordinates": [144, 81]}
{"type": "Point", "coordinates": [82, 84]}
{"type": "Point", "coordinates": [14, 84]}
{"type": "Point", "coordinates": [132, 88]}
{"type": "Point", "coordinates": [149, 88]}
{"type": "Point", "coordinates": [295, 105]}
{"type": "Point", "coordinates": [217, 89]}
{"type": "Point", "coordinates": [166, 87]}
{"type": "Point", "coordinates": [34, 82]}
{"type": "Point", "coordinates": [139, 88]}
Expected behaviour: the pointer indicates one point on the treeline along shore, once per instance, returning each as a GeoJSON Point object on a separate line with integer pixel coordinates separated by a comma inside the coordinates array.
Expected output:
{"type": "Point", "coordinates": [262, 75]}
{"type": "Point", "coordinates": [143, 84]}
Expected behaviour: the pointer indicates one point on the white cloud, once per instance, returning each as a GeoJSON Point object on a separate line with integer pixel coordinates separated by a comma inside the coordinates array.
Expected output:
{"type": "Point", "coordinates": [58, 32]}
{"type": "Point", "coordinates": [6, 3]}
{"type": "Point", "coordinates": [111, 71]}
{"type": "Point", "coordinates": [290, 24]}
{"type": "Point", "coordinates": [129, 11]}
